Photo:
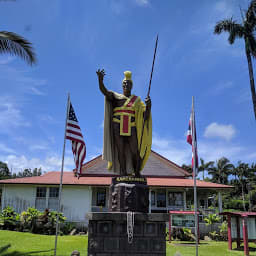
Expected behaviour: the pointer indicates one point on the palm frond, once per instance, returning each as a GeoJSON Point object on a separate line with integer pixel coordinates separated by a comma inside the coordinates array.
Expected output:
{"type": "Point", "coordinates": [235, 30]}
{"type": "Point", "coordinates": [17, 45]}
{"type": "Point", "coordinates": [250, 15]}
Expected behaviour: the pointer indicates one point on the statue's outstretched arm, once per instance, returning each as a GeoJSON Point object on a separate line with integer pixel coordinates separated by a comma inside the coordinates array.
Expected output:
{"type": "Point", "coordinates": [101, 74]}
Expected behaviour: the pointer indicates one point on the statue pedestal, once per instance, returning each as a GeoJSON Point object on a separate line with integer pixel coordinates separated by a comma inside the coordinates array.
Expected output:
{"type": "Point", "coordinates": [128, 194]}
{"type": "Point", "coordinates": [107, 234]}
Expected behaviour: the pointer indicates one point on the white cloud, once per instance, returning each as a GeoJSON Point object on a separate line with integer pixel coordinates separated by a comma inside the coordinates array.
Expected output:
{"type": "Point", "coordinates": [10, 115]}
{"type": "Point", "coordinates": [53, 163]}
{"type": "Point", "coordinates": [211, 151]}
{"type": "Point", "coordinates": [6, 149]}
{"type": "Point", "coordinates": [142, 2]}
{"type": "Point", "coordinates": [177, 151]}
{"type": "Point", "coordinates": [225, 8]}
{"type": "Point", "coordinates": [38, 147]}
{"type": "Point", "coordinates": [215, 130]}
{"type": "Point", "coordinates": [219, 88]}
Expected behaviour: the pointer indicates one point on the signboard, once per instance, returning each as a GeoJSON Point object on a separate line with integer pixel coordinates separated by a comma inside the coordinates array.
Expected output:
{"type": "Point", "coordinates": [251, 226]}
{"type": "Point", "coordinates": [183, 220]}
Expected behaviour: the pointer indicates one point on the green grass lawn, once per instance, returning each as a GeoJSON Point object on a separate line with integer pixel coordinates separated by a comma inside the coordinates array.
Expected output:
{"type": "Point", "coordinates": [26, 244]}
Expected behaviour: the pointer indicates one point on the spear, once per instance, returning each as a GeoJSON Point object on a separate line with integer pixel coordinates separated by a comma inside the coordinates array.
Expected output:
{"type": "Point", "coordinates": [149, 87]}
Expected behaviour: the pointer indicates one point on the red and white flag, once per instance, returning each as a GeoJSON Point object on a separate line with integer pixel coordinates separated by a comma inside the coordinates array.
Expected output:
{"type": "Point", "coordinates": [73, 133]}
{"type": "Point", "coordinates": [191, 139]}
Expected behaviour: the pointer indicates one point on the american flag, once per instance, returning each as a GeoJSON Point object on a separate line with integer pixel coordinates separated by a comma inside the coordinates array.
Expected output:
{"type": "Point", "coordinates": [191, 131]}
{"type": "Point", "coordinates": [73, 133]}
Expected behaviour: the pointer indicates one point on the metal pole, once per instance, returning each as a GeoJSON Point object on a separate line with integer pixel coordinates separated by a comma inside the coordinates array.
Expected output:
{"type": "Point", "coordinates": [61, 177]}
{"type": "Point", "coordinates": [194, 172]}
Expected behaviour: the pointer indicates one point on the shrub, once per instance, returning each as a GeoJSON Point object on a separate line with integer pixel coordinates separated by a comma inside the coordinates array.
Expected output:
{"type": "Point", "coordinates": [67, 228]}
{"type": "Point", "coordinates": [187, 235]}
{"type": "Point", "coordinates": [211, 219]}
{"type": "Point", "coordinates": [29, 219]}
{"type": "Point", "coordinates": [9, 219]}
{"type": "Point", "coordinates": [214, 236]}
{"type": "Point", "coordinates": [224, 231]}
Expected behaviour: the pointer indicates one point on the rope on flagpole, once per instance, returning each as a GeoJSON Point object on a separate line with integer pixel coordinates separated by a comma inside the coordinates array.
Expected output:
{"type": "Point", "coordinates": [61, 177]}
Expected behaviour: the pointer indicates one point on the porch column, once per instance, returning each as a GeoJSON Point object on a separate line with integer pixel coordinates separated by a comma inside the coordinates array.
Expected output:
{"type": "Point", "coordinates": [229, 233]}
{"type": "Point", "coordinates": [170, 227]}
{"type": "Point", "coordinates": [149, 208]}
{"type": "Point", "coordinates": [245, 236]}
{"type": "Point", "coordinates": [220, 201]}
{"type": "Point", "coordinates": [184, 200]}
{"type": "Point", "coordinates": [238, 239]}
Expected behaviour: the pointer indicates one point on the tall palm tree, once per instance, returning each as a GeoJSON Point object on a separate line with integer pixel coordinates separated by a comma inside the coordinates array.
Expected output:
{"type": "Point", "coordinates": [242, 171]}
{"type": "Point", "coordinates": [204, 166]}
{"type": "Point", "coordinates": [221, 171]}
{"type": "Point", "coordinates": [15, 44]}
{"type": "Point", "coordinates": [246, 31]}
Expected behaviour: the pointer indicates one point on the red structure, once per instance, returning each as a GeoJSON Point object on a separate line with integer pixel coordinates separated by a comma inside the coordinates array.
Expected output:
{"type": "Point", "coordinates": [171, 213]}
{"type": "Point", "coordinates": [235, 225]}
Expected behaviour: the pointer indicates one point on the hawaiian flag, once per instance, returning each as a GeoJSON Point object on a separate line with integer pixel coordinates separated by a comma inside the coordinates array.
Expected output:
{"type": "Point", "coordinates": [73, 133]}
{"type": "Point", "coordinates": [191, 139]}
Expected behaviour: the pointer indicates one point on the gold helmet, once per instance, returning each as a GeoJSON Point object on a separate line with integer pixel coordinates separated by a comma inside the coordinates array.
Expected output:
{"type": "Point", "coordinates": [128, 76]}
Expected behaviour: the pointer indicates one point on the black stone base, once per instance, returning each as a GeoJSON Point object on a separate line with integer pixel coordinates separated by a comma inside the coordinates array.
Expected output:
{"type": "Point", "coordinates": [128, 194]}
{"type": "Point", "coordinates": [107, 234]}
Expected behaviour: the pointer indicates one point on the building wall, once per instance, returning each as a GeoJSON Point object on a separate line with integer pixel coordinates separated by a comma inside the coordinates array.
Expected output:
{"type": "Point", "coordinates": [20, 197]}
{"type": "Point", "coordinates": [75, 203]}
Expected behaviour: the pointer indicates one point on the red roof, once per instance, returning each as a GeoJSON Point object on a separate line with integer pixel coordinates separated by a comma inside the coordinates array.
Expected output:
{"type": "Point", "coordinates": [53, 178]}
{"type": "Point", "coordinates": [241, 214]}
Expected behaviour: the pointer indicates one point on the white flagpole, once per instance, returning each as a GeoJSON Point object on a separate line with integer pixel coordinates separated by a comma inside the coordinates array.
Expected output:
{"type": "Point", "coordinates": [61, 177]}
{"type": "Point", "coordinates": [194, 172]}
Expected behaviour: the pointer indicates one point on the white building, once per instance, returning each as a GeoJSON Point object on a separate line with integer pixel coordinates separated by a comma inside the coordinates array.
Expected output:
{"type": "Point", "coordinates": [171, 188]}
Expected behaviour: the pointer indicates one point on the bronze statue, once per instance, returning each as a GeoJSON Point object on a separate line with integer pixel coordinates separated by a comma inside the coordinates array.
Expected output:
{"type": "Point", "coordinates": [127, 128]}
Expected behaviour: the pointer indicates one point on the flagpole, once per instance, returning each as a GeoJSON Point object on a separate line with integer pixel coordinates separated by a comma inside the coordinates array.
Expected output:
{"type": "Point", "coordinates": [61, 177]}
{"type": "Point", "coordinates": [194, 174]}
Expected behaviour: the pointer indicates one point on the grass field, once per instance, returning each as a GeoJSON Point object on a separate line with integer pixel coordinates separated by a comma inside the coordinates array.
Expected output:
{"type": "Point", "coordinates": [26, 244]}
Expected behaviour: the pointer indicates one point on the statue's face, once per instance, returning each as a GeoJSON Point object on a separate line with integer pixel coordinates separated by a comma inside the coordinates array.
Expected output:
{"type": "Point", "coordinates": [127, 87]}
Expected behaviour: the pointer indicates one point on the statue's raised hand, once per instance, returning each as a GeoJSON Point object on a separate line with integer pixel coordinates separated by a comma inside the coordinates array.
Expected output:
{"type": "Point", "coordinates": [100, 74]}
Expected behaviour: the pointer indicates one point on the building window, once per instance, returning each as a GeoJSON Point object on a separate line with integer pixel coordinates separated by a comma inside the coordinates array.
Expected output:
{"type": "Point", "coordinates": [175, 199]}
{"type": "Point", "coordinates": [101, 197]}
{"type": "Point", "coordinates": [41, 198]}
{"type": "Point", "coordinates": [53, 198]}
{"type": "Point", "coordinates": [47, 198]}
{"type": "Point", "coordinates": [153, 198]}
{"type": "Point", "coordinates": [161, 198]}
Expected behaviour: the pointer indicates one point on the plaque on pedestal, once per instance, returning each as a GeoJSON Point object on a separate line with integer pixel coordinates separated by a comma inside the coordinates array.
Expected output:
{"type": "Point", "coordinates": [129, 194]}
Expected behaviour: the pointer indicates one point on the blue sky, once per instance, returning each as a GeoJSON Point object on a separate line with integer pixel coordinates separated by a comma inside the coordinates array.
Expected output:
{"type": "Point", "coordinates": [72, 39]}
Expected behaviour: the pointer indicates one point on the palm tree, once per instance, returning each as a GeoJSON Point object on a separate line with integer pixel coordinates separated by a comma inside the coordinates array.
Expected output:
{"type": "Point", "coordinates": [221, 171]}
{"type": "Point", "coordinates": [246, 31]}
{"type": "Point", "coordinates": [242, 172]}
{"type": "Point", "coordinates": [205, 166]}
{"type": "Point", "coordinates": [16, 45]}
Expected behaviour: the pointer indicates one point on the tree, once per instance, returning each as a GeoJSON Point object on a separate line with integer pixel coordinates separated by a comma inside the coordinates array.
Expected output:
{"type": "Point", "coordinates": [221, 171]}
{"type": "Point", "coordinates": [187, 168]}
{"type": "Point", "coordinates": [211, 219]}
{"type": "Point", "coordinates": [15, 44]}
{"type": "Point", "coordinates": [242, 172]}
{"type": "Point", "coordinates": [246, 31]}
{"type": "Point", "coordinates": [205, 166]}
{"type": "Point", "coordinates": [4, 171]}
